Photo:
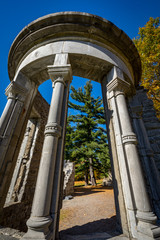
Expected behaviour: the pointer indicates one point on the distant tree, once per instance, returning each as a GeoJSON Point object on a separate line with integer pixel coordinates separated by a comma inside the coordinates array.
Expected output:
{"type": "Point", "coordinates": [148, 45]}
{"type": "Point", "coordinates": [88, 139]}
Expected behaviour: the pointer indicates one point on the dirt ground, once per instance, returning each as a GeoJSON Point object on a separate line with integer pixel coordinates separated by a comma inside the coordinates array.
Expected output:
{"type": "Point", "coordinates": [91, 210]}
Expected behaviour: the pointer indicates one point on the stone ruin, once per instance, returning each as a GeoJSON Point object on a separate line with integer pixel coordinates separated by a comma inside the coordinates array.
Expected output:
{"type": "Point", "coordinates": [19, 199]}
{"type": "Point", "coordinates": [32, 134]}
{"type": "Point", "coordinates": [108, 181]}
{"type": "Point", "coordinates": [69, 175]}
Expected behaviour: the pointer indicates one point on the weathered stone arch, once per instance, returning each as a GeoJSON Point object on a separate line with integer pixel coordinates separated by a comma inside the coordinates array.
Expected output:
{"type": "Point", "coordinates": [58, 46]}
{"type": "Point", "coordinates": [87, 60]}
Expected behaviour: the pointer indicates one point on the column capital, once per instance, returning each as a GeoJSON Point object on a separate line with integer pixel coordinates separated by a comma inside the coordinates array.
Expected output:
{"type": "Point", "coordinates": [60, 73]}
{"type": "Point", "coordinates": [119, 86]}
{"type": "Point", "coordinates": [117, 82]}
{"type": "Point", "coordinates": [16, 91]}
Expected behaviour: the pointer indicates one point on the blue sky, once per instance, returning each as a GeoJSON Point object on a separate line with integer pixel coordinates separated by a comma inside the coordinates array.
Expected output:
{"type": "Point", "coordinates": [15, 15]}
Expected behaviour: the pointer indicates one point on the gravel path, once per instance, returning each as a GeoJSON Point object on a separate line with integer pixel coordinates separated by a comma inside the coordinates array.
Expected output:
{"type": "Point", "coordinates": [91, 210]}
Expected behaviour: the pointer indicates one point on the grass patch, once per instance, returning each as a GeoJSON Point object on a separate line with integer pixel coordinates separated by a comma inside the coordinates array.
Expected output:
{"type": "Point", "coordinates": [64, 214]}
{"type": "Point", "coordinates": [79, 183]}
{"type": "Point", "coordinates": [82, 183]}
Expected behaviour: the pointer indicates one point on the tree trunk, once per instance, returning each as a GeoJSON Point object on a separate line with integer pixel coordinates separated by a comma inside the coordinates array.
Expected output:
{"type": "Point", "coordinates": [93, 180]}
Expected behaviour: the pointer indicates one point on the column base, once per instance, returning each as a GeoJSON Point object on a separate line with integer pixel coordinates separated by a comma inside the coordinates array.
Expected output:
{"type": "Point", "coordinates": [38, 228]}
{"type": "Point", "coordinates": [32, 235]}
{"type": "Point", "coordinates": [148, 231]}
{"type": "Point", "coordinates": [147, 228]}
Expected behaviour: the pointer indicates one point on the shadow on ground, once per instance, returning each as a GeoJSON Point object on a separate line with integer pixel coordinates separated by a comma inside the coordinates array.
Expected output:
{"type": "Point", "coordinates": [80, 191]}
{"type": "Point", "coordinates": [104, 225]}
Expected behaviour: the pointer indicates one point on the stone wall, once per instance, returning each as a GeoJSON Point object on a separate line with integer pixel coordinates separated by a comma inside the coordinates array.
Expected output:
{"type": "Point", "coordinates": [20, 196]}
{"type": "Point", "coordinates": [147, 128]}
{"type": "Point", "coordinates": [152, 125]}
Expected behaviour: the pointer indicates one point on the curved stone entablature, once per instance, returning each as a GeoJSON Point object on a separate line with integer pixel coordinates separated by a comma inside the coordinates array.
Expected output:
{"type": "Point", "coordinates": [88, 60]}
{"type": "Point", "coordinates": [87, 38]}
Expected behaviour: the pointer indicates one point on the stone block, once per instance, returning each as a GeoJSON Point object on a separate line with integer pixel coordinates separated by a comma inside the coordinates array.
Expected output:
{"type": "Point", "coordinates": [69, 175]}
{"type": "Point", "coordinates": [108, 182]}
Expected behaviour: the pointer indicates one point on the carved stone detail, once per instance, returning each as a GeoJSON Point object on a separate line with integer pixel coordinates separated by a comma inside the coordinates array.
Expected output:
{"type": "Point", "coordinates": [118, 84]}
{"type": "Point", "coordinates": [38, 222]}
{"type": "Point", "coordinates": [53, 129]}
{"type": "Point", "coordinates": [129, 138]}
{"type": "Point", "coordinates": [16, 91]}
{"type": "Point", "coordinates": [60, 73]}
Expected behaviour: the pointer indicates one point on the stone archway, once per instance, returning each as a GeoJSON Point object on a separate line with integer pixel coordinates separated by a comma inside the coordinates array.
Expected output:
{"type": "Point", "coordinates": [58, 46]}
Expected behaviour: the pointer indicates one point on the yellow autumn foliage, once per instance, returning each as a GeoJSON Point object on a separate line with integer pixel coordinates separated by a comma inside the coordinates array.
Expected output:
{"type": "Point", "coordinates": [148, 45]}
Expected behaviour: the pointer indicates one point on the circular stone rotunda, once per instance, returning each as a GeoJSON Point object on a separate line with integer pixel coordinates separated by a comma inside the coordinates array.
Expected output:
{"type": "Point", "coordinates": [56, 47]}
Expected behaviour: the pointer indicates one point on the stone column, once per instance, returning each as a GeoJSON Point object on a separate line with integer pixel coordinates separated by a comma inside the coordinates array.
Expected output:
{"type": "Point", "coordinates": [56, 198]}
{"type": "Point", "coordinates": [16, 95]}
{"type": "Point", "coordinates": [146, 154]}
{"type": "Point", "coordinates": [8, 109]}
{"type": "Point", "coordinates": [119, 172]}
{"type": "Point", "coordinates": [127, 211]}
{"type": "Point", "coordinates": [146, 219]}
{"type": "Point", "coordinates": [40, 220]}
{"type": "Point", "coordinates": [21, 92]}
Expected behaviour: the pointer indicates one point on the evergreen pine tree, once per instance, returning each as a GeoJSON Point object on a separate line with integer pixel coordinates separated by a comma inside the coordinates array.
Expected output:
{"type": "Point", "coordinates": [87, 140]}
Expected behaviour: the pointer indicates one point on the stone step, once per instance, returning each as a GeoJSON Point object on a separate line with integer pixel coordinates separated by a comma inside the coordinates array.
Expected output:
{"type": "Point", "coordinates": [13, 234]}
{"type": "Point", "coordinates": [95, 236]}
{"type": "Point", "coordinates": [7, 237]}
{"type": "Point", "coordinates": [10, 233]}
